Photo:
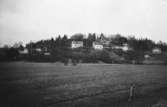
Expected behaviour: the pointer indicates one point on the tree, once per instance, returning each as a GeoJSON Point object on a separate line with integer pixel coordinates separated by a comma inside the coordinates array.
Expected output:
{"type": "Point", "coordinates": [137, 56]}
{"type": "Point", "coordinates": [18, 44]}
{"type": "Point", "coordinates": [141, 44]}
{"type": "Point", "coordinates": [91, 38]}
{"type": "Point", "coordinates": [58, 41]}
{"type": "Point", "coordinates": [12, 54]}
{"type": "Point", "coordinates": [162, 45]}
{"type": "Point", "coordinates": [64, 42]}
{"type": "Point", "coordinates": [119, 40]}
{"type": "Point", "coordinates": [77, 37]}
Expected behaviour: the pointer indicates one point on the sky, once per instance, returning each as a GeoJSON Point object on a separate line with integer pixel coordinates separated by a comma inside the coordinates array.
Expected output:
{"type": "Point", "coordinates": [32, 20]}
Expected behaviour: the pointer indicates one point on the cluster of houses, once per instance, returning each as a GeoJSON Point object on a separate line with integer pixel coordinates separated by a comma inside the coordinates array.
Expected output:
{"type": "Point", "coordinates": [36, 50]}
{"type": "Point", "coordinates": [100, 44]}
{"type": "Point", "coordinates": [104, 43]}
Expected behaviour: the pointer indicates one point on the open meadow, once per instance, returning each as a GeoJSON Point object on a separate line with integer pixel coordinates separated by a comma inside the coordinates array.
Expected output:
{"type": "Point", "coordinates": [24, 84]}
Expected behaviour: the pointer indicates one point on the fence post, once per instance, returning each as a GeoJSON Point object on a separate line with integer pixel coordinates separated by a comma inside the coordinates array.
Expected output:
{"type": "Point", "coordinates": [131, 92]}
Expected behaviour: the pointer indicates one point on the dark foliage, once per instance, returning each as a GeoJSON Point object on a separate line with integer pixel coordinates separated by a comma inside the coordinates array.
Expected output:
{"type": "Point", "coordinates": [8, 54]}
{"type": "Point", "coordinates": [59, 49]}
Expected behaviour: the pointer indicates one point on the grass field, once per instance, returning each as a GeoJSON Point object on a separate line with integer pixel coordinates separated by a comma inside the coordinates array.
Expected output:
{"type": "Point", "coordinates": [25, 84]}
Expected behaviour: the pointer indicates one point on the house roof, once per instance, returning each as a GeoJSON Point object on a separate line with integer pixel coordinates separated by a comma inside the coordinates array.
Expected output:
{"type": "Point", "coordinates": [97, 43]}
{"type": "Point", "coordinates": [77, 42]}
{"type": "Point", "coordinates": [156, 48]}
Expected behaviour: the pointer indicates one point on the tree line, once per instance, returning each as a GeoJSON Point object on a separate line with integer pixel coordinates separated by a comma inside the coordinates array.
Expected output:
{"type": "Point", "coordinates": [59, 49]}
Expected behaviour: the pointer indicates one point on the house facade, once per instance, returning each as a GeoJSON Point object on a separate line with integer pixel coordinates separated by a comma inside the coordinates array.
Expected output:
{"type": "Point", "coordinates": [125, 47]}
{"type": "Point", "coordinates": [38, 49]}
{"type": "Point", "coordinates": [25, 51]}
{"type": "Point", "coordinates": [76, 44]}
{"type": "Point", "coordinates": [97, 46]}
{"type": "Point", "coordinates": [101, 43]}
{"type": "Point", "coordinates": [156, 51]}
{"type": "Point", "coordinates": [47, 53]}
{"type": "Point", "coordinates": [104, 41]}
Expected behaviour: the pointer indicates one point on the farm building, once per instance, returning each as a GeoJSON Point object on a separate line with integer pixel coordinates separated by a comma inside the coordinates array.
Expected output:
{"type": "Point", "coordinates": [76, 44]}
{"type": "Point", "coordinates": [97, 46]}
{"type": "Point", "coordinates": [101, 43]}
{"type": "Point", "coordinates": [38, 49]}
{"type": "Point", "coordinates": [47, 53]}
{"type": "Point", "coordinates": [156, 51]}
{"type": "Point", "coordinates": [147, 56]}
{"type": "Point", "coordinates": [125, 47]}
{"type": "Point", "coordinates": [25, 51]}
{"type": "Point", "coordinates": [104, 41]}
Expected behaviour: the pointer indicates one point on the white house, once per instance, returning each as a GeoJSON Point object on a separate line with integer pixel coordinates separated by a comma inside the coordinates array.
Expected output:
{"type": "Point", "coordinates": [76, 44]}
{"type": "Point", "coordinates": [97, 46]}
{"type": "Point", "coordinates": [125, 47]}
{"type": "Point", "coordinates": [25, 51]}
{"type": "Point", "coordinates": [147, 56]}
{"type": "Point", "coordinates": [156, 50]}
{"type": "Point", "coordinates": [38, 49]}
{"type": "Point", "coordinates": [47, 53]}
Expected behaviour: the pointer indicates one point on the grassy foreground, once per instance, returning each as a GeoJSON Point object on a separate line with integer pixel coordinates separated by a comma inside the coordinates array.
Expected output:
{"type": "Point", "coordinates": [85, 85]}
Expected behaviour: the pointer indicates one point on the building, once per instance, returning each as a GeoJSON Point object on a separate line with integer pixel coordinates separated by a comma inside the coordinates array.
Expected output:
{"type": "Point", "coordinates": [147, 56]}
{"type": "Point", "coordinates": [104, 41]}
{"type": "Point", "coordinates": [97, 46]}
{"type": "Point", "coordinates": [47, 53]}
{"type": "Point", "coordinates": [125, 47]}
{"type": "Point", "coordinates": [38, 49]}
{"type": "Point", "coordinates": [76, 44]}
{"type": "Point", "coordinates": [25, 51]}
{"type": "Point", "coordinates": [101, 43]}
{"type": "Point", "coordinates": [156, 51]}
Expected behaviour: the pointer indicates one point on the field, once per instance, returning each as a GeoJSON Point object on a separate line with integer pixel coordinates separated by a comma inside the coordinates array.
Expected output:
{"type": "Point", "coordinates": [25, 84]}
